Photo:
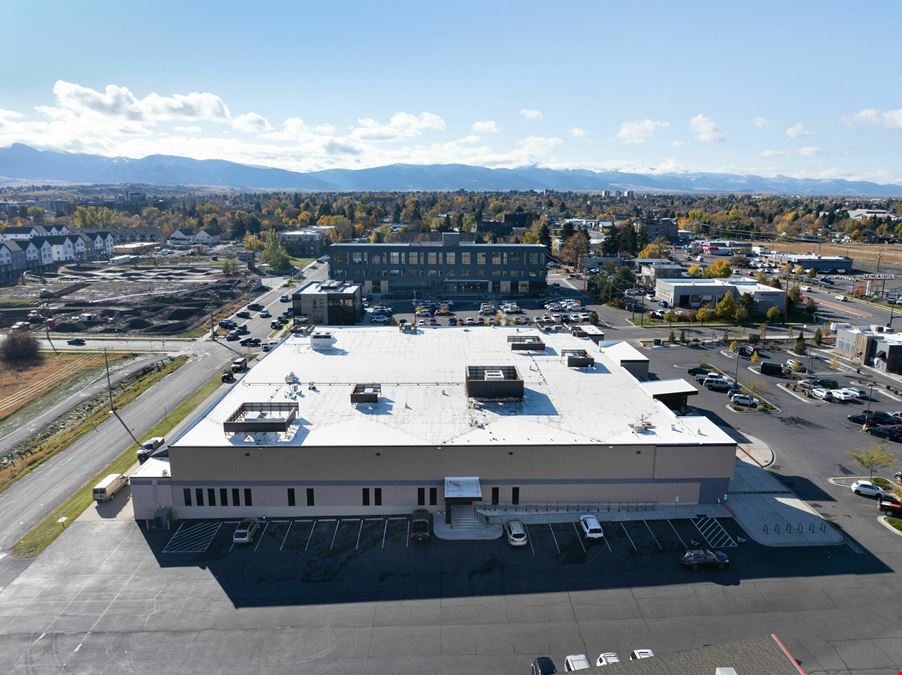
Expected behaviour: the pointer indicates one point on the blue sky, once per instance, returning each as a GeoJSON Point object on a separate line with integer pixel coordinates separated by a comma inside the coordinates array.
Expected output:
{"type": "Point", "coordinates": [802, 88]}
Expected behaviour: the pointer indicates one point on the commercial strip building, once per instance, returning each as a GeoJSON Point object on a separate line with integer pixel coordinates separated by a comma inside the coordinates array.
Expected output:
{"type": "Point", "coordinates": [838, 264]}
{"type": "Point", "coordinates": [875, 346]}
{"type": "Point", "coordinates": [378, 421]}
{"type": "Point", "coordinates": [333, 303]}
{"type": "Point", "coordinates": [447, 268]}
{"type": "Point", "coordinates": [693, 293]}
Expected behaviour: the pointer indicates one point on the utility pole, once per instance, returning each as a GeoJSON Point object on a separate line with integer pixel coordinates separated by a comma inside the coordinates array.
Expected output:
{"type": "Point", "coordinates": [109, 385]}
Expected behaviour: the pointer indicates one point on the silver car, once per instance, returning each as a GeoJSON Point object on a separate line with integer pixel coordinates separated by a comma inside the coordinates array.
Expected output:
{"type": "Point", "coordinates": [245, 532]}
{"type": "Point", "coordinates": [515, 532]}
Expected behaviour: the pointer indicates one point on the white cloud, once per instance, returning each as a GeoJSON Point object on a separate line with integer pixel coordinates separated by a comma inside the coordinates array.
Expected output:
{"type": "Point", "coordinates": [188, 129]}
{"type": "Point", "coordinates": [798, 130]}
{"type": "Point", "coordinates": [639, 131]}
{"type": "Point", "coordinates": [400, 125]}
{"type": "Point", "coordinates": [809, 151]}
{"type": "Point", "coordinates": [252, 123]}
{"type": "Point", "coordinates": [890, 119]}
{"type": "Point", "coordinates": [761, 122]}
{"type": "Point", "coordinates": [531, 114]}
{"type": "Point", "coordinates": [486, 127]}
{"type": "Point", "coordinates": [577, 132]}
{"type": "Point", "coordinates": [118, 102]}
{"type": "Point", "coordinates": [774, 153]}
{"type": "Point", "coordinates": [705, 130]}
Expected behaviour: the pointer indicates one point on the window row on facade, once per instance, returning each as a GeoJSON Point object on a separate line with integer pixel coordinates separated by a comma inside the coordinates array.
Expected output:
{"type": "Point", "coordinates": [439, 258]}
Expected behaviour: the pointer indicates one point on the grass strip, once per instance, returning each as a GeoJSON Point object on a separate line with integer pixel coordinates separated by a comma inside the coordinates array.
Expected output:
{"type": "Point", "coordinates": [45, 532]}
{"type": "Point", "coordinates": [62, 440]}
{"type": "Point", "coordinates": [895, 522]}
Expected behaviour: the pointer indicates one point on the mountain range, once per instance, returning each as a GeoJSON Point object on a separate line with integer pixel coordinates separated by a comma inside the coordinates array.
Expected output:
{"type": "Point", "coordinates": [24, 164]}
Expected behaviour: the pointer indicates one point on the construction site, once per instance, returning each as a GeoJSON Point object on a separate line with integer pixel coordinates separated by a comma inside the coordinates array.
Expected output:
{"type": "Point", "coordinates": [151, 300]}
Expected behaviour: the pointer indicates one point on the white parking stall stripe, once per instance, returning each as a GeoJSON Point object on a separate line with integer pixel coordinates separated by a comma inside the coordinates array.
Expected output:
{"type": "Point", "coordinates": [359, 532]}
{"type": "Point", "coordinates": [407, 541]}
{"type": "Point", "coordinates": [290, 523]}
{"type": "Point", "coordinates": [608, 544]}
{"type": "Point", "coordinates": [529, 538]}
{"type": "Point", "coordinates": [683, 543]}
{"type": "Point", "coordinates": [384, 532]}
{"type": "Point", "coordinates": [551, 529]}
{"type": "Point", "coordinates": [579, 538]}
{"type": "Point", "coordinates": [310, 536]}
{"type": "Point", "coordinates": [194, 538]}
{"type": "Point", "coordinates": [334, 534]}
{"type": "Point", "coordinates": [623, 525]}
{"type": "Point", "coordinates": [660, 548]}
{"type": "Point", "coordinates": [260, 538]}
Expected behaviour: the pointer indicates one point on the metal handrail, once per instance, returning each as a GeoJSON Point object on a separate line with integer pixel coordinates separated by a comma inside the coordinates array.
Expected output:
{"type": "Point", "coordinates": [567, 505]}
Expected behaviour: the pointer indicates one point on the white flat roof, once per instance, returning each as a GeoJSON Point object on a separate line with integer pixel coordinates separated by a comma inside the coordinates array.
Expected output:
{"type": "Point", "coordinates": [660, 387]}
{"type": "Point", "coordinates": [423, 397]}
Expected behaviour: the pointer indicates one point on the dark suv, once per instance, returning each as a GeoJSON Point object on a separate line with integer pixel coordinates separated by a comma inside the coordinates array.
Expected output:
{"type": "Point", "coordinates": [420, 525]}
{"type": "Point", "coordinates": [704, 557]}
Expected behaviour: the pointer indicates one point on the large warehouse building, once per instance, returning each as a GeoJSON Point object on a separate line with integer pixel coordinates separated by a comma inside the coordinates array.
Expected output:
{"type": "Point", "coordinates": [374, 421]}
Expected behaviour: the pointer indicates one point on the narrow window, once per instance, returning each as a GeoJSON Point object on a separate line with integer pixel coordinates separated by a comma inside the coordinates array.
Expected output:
{"type": "Point", "coordinates": [223, 497]}
{"type": "Point", "coordinates": [290, 496]}
{"type": "Point", "coordinates": [211, 496]}
{"type": "Point", "coordinates": [377, 496]}
{"type": "Point", "coordinates": [515, 495]}
{"type": "Point", "coordinates": [199, 496]}
{"type": "Point", "coordinates": [421, 496]}
{"type": "Point", "coordinates": [187, 493]}
{"type": "Point", "coordinates": [494, 495]}
{"type": "Point", "coordinates": [366, 496]}
{"type": "Point", "coordinates": [433, 496]}
{"type": "Point", "coordinates": [248, 498]}
{"type": "Point", "coordinates": [236, 497]}
{"type": "Point", "coordinates": [310, 500]}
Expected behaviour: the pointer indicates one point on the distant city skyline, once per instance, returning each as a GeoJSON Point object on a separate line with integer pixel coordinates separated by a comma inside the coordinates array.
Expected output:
{"type": "Point", "coordinates": [806, 89]}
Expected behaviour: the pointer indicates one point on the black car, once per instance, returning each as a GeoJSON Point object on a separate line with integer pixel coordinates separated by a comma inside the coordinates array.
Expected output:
{"type": "Point", "coordinates": [876, 417]}
{"type": "Point", "coordinates": [828, 384]}
{"type": "Point", "coordinates": [227, 376]}
{"type": "Point", "coordinates": [75, 342]}
{"type": "Point", "coordinates": [250, 342]}
{"type": "Point", "coordinates": [890, 504]}
{"type": "Point", "coordinates": [227, 323]}
{"type": "Point", "coordinates": [543, 666]}
{"type": "Point", "coordinates": [698, 370]}
{"type": "Point", "coordinates": [243, 314]}
{"type": "Point", "coordinates": [889, 432]}
{"type": "Point", "coordinates": [746, 351]}
{"type": "Point", "coordinates": [255, 307]}
{"type": "Point", "coordinates": [704, 557]}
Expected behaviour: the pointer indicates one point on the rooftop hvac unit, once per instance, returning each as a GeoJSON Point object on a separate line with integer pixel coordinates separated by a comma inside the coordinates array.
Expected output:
{"type": "Point", "coordinates": [494, 375]}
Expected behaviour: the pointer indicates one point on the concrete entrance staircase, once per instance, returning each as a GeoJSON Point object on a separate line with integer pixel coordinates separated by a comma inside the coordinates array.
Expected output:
{"type": "Point", "coordinates": [464, 518]}
{"type": "Point", "coordinates": [465, 524]}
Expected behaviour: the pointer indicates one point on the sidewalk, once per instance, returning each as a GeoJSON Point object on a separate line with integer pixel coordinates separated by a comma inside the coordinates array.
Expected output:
{"type": "Point", "coordinates": [767, 510]}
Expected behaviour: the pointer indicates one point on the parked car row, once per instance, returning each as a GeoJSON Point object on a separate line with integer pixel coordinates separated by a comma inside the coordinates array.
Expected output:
{"type": "Point", "coordinates": [574, 662]}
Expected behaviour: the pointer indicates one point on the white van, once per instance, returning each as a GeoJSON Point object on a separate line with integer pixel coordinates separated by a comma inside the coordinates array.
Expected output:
{"type": "Point", "coordinates": [106, 489]}
{"type": "Point", "coordinates": [576, 662]}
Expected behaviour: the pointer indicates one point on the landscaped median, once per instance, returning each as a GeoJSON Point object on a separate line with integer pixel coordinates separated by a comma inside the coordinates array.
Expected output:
{"type": "Point", "coordinates": [44, 533]}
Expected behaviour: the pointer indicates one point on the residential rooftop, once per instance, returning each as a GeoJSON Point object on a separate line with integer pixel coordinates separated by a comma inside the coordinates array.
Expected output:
{"type": "Point", "coordinates": [518, 397]}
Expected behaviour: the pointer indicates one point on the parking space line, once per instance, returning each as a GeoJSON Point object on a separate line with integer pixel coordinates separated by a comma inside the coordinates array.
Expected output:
{"type": "Point", "coordinates": [529, 538]}
{"type": "Point", "coordinates": [290, 523]}
{"type": "Point", "coordinates": [660, 548]}
{"type": "Point", "coordinates": [262, 534]}
{"type": "Point", "coordinates": [579, 538]}
{"type": "Point", "coordinates": [683, 543]}
{"type": "Point", "coordinates": [623, 525]}
{"type": "Point", "coordinates": [551, 529]}
{"type": "Point", "coordinates": [359, 532]}
{"type": "Point", "coordinates": [608, 544]}
{"type": "Point", "coordinates": [334, 534]}
{"type": "Point", "coordinates": [310, 536]}
{"type": "Point", "coordinates": [407, 541]}
{"type": "Point", "coordinates": [385, 531]}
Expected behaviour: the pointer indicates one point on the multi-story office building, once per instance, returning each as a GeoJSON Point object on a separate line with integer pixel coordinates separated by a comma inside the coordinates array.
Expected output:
{"type": "Point", "coordinates": [448, 267]}
{"type": "Point", "coordinates": [332, 303]}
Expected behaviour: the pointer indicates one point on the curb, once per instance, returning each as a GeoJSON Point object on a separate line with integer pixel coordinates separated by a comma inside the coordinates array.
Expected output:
{"type": "Point", "coordinates": [882, 521]}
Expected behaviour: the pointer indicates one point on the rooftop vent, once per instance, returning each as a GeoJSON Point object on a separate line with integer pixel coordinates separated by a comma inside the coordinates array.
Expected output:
{"type": "Point", "coordinates": [264, 416]}
{"type": "Point", "coordinates": [577, 358]}
{"type": "Point", "coordinates": [494, 383]}
{"type": "Point", "coordinates": [531, 343]}
{"type": "Point", "coordinates": [366, 393]}
{"type": "Point", "coordinates": [331, 285]}
{"type": "Point", "coordinates": [322, 340]}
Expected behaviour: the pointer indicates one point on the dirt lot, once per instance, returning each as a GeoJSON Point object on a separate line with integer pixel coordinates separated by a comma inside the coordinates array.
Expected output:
{"type": "Point", "coordinates": [889, 254]}
{"type": "Point", "coordinates": [155, 300]}
{"type": "Point", "coordinates": [21, 386]}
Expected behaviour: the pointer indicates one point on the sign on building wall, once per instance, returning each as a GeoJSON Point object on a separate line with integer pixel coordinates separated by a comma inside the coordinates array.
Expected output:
{"type": "Point", "coordinates": [878, 277]}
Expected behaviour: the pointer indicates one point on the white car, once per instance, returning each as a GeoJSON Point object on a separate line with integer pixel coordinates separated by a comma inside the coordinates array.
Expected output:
{"type": "Point", "coordinates": [556, 318]}
{"type": "Point", "coordinates": [842, 395]}
{"type": "Point", "coordinates": [641, 654]}
{"type": "Point", "coordinates": [805, 289]}
{"type": "Point", "coordinates": [607, 658]}
{"type": "Point", "coordinates": [515, 532]}
{"type": "Point", "coordinates": [649, 296]}
{"type": "Point", "coordinates": [856, 392]}
{"type": "Point", "coordinates": [841, 298]}
{"type": "Point", "coordinates": [745, 400]}
{"type": "Point", "coordinates": [821, 393]}
{"type": "Point", "coordinates": [576, 662]}
{"type": "Point", "coordinates": [244, 533]}
{"type": "Point", "coordinates": [591, 527]}
{"type": "Point", "coordinates": [866, 488]}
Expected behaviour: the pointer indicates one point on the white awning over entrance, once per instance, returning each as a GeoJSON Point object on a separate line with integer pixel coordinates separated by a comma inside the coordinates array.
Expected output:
{"type": "Point", "coordinates": [462, 487]}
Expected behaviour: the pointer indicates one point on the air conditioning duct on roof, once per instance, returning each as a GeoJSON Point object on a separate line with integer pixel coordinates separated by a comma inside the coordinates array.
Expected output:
{"type": "Point", "coordinates": [494, 375]}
